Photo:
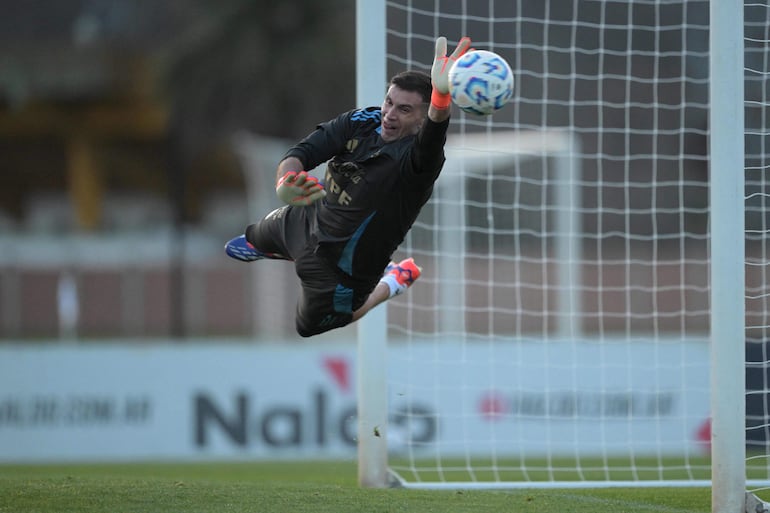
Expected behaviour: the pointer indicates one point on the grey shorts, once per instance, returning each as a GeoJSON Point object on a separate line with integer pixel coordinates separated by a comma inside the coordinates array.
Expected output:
{"type": "Point", "coordinates": [328, 297]}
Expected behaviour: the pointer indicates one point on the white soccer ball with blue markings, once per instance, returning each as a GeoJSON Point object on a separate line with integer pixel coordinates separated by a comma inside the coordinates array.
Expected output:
{"type": "Point", "coordinates": [480, 82]}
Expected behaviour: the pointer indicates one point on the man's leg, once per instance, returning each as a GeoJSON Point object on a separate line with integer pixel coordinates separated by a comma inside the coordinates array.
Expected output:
{"type": "Point", "coordinates": [241, 249]}
{"type": "Point", "coordinates": [396, 279]}
{"type": "Point", "coordinates": [324, 303]}
{"type": "Point", "coordinates": [265, 239]}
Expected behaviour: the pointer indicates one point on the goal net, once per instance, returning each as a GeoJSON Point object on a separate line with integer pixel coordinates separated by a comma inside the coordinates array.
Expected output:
{"type": "Point", "coordinates": [560, 333]}
{"type": "Point", "coordinates": [757, 227]}
{"type": "Point", "coordinates": [561, 326]}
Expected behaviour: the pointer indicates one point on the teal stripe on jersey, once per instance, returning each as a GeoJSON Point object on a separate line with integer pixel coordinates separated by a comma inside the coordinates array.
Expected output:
{"type": "Point", "coordinates": [346, 260]}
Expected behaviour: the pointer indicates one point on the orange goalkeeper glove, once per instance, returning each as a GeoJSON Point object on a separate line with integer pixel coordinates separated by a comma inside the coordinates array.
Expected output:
{"type": "Point", "coordinates": [439, 73]}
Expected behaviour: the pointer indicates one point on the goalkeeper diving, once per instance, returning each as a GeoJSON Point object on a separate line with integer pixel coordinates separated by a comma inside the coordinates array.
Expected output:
{"type": "Point", "coordinates": [342, 233]}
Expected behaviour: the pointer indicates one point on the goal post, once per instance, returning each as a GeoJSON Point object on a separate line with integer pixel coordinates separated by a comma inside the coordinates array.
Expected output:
{"type": "Point", "coordinates": [371, 368]}
{"type": "Point", "coordinates": [727, 255]}
{"type": "Point", "coordinates": [484, 154]}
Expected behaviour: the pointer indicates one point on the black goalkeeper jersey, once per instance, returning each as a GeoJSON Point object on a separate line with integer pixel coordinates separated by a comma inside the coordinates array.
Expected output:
{"type": "Point", "coordinates": [374, 189]}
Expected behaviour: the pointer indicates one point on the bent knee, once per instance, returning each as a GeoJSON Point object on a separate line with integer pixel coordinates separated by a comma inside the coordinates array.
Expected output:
{"type": "Point", "coordinates": [308, 328]}
{"type": "Point", "coordinates": [305, 331]}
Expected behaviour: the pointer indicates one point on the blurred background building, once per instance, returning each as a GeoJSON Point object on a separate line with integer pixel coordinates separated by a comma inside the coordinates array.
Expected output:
{"type": "Point", "coordinates": [120, 176]}
{"type": "Point", "coordinates": [136, 137]}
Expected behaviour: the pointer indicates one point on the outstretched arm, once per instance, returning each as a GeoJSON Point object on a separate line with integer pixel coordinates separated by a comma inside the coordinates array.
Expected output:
{"type": "Point", "coordinates": [440, 101]}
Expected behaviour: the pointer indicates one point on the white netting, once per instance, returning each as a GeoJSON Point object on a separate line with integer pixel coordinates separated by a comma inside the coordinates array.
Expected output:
{"type": "Point", "coordinates": [757, 140]}
{"type": "Point", "coordinates": [560, 330]}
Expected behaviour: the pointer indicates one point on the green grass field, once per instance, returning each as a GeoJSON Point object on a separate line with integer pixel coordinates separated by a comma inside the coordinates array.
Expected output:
{"type": "Point", "coordinates": [317, 487]}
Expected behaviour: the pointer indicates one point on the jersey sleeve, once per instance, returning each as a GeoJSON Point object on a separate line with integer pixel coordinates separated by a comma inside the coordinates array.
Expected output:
{"type": "Point", "coordinates": [329, 138]}
{"type": "Point", "coordinates": [427, 156]}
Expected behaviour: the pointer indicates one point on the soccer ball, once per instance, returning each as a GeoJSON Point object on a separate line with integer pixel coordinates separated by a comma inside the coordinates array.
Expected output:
{"type": "Point", "coordinates": [480, 82]}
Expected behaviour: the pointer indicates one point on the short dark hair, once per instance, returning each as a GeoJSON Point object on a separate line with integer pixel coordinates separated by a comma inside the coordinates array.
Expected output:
{"type": "Point", "coordinates": [416, 81]}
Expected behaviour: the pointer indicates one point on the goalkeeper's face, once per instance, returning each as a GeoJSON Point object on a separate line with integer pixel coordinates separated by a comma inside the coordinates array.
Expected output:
{"type": "Point", "coordinates": [403, 113]}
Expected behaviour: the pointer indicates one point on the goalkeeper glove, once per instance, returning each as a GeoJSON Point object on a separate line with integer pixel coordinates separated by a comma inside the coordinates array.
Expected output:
{"type": "Point", "coordinates": [439, 73]}
{"type": "Point", "coordinates": [299, 189]}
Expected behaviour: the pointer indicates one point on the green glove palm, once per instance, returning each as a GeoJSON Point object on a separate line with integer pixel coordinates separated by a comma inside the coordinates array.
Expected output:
{"type": "Point", "coordinates": [299, 189]}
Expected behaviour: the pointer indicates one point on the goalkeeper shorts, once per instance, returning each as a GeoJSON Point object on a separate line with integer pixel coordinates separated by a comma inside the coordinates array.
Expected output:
{"type": "Point", "coordinates": [328, 297]}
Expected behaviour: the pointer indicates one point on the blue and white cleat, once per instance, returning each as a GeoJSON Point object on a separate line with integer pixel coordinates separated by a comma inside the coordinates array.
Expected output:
{"type": "Point", "coordinates": [241, 249]}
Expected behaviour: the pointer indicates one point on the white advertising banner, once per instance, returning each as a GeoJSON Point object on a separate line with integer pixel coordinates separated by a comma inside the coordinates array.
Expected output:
{"type": "Point", "coordinates": [559, 398]}
{"type": "Point", "coordinates": [230, 401]}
